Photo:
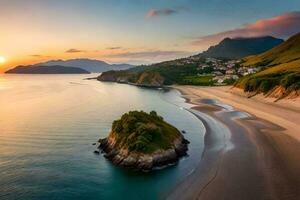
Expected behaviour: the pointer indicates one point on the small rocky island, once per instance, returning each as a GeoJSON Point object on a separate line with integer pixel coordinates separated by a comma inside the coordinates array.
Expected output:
{"type": "Point", "coordinates": [143, 141]}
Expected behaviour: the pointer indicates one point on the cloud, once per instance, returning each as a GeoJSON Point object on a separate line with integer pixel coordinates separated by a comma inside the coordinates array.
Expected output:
{"type": "Point", "coordinates": [155, 54]}
{"type": "Point", "coordinates": [165, 12]}
{"type": "Point", "coordinates": [161, 12]}
{"type": "Point", "coordinates": [113, 48]}
{"type": "Point", "coordinates": [147, 56]}
{"type": "Point", "coordinates": [282, 26]}
{"type": "Point", "coordinates": [74, 51]}
{"type": "Point", "coordinates": [36, 55]}
{"type": "Point", "coordinates": [39, 56]}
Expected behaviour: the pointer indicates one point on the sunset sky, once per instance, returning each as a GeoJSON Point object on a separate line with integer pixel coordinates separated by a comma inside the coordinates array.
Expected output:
{"type": "Point", "coordinates": [133, 31]}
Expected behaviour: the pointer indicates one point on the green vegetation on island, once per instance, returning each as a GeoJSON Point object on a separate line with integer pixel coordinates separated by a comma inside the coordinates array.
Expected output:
{"type": "Point", "coordinates": [143, 132]}
{"type": "Point", "coordinates": [143, 141]}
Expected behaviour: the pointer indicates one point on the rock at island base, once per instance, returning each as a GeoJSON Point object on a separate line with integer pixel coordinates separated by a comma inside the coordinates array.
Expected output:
{"type": "Point", "coordinates": [144, 162]}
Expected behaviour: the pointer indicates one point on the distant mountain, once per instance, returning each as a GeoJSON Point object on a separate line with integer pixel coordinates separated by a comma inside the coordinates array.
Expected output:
{"type": "Point", "coordinates": [46, 70]}
{"type": "Point", "coordinates": [96, 66]}
{"type": "Point", "coordinates": [280, 74]}
{"type": "Point", "coordinates": [241, 47]}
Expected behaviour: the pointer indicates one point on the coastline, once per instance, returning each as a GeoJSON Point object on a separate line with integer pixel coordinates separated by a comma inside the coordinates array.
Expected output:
{"type": "Point", "coordinates": [245, 156]}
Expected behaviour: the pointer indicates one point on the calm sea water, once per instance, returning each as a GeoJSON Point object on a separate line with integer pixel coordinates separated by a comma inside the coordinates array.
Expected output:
{"type": "Point", "coordinates": [49, 122]}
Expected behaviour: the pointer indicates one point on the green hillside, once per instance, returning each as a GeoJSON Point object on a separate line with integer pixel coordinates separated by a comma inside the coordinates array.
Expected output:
{"type": "Point", "coordinates": [165, 73]}
{"type": "Point", "coordinates": [281, 68]}
{"type": "Point", "coordinates": [284, 53]}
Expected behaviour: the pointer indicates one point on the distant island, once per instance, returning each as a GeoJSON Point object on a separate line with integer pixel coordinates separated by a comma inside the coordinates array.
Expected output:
{"type": "Point", "coordinates": [46, 70]}
{"type": "Point", "coordinates": [72, 66]}
{"type": "Point", "coordinates": [143, 141]}
{"type": "Point", "coordinates": [91, 65]}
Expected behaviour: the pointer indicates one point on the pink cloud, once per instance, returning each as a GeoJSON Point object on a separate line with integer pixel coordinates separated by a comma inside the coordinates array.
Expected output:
{"type": "Point", "coordinates": [162, 12]}
{"type": "Point", "coordinates": [281, 26]}
{"type": "Point", "coordinates": [113, 48]}
{"type": "Point", "coordinates": [151, 54]}
{"type": "Point", "coordinates": [74, 51]}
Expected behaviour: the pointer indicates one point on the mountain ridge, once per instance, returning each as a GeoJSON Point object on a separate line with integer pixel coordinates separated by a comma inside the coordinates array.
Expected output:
{"type": "Point", "coordinates": [237, 48]}
{"type": "Point", "coordinates": [91, 65]}
{"type": "Point", "coordinates": [283, 53]}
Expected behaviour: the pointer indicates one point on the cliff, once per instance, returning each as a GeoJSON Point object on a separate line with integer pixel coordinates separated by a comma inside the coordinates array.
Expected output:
{"type": "Point", "coordinates": [144, 79]}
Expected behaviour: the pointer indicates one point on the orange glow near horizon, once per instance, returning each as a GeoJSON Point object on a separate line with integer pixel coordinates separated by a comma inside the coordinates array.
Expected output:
{"type": "Point", "coordinates": [2, 60]}
{"type": "Point", "coordinates": [15, 60]}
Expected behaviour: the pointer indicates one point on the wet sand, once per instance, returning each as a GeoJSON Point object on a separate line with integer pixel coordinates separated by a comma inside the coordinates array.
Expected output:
{"type": "Point", "coordinates": [245, 156]}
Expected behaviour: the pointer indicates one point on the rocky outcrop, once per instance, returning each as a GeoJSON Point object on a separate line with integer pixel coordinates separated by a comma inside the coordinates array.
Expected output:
{"type": "Point", "coordinates": [109, 76]}
{"type": "Point", "coordinates": [150, 79]}
{"type": "Point", "coordinates": [144, 79]}
{"type": "Point", "coordinates": [140, 161]}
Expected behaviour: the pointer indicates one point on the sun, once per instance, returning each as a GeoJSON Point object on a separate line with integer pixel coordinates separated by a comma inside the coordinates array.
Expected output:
{"type": "Point", "coordinates": [2, 60]}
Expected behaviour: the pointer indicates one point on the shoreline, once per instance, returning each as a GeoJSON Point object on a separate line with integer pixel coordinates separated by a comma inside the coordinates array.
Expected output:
{"type": "Point", "coordinates": [285, 112]}
{"type": "Point", "coordinates": [245, 156]}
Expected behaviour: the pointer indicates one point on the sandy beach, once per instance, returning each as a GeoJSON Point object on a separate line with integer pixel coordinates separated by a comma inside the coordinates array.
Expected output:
{"type": "Point", "coordinates": [252, 147]}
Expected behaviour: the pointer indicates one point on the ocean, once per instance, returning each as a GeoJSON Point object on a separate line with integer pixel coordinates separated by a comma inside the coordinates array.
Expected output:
{"type": "Point", "coordinates": [48, 124]}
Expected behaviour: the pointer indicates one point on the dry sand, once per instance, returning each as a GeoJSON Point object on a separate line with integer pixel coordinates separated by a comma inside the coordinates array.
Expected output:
{"type": "Point", "coordinates": [254, 156]}
{"type": "Point", "coordinates": [285, 113]}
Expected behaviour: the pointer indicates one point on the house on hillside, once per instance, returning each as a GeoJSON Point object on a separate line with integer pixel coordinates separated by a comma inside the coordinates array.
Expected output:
{"type": "Point", "coordinates": [219, 79]}
{"type": "Point", "coordinates": [217, 73]}
{"type": "Point", "coordinates": [230, 71]}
